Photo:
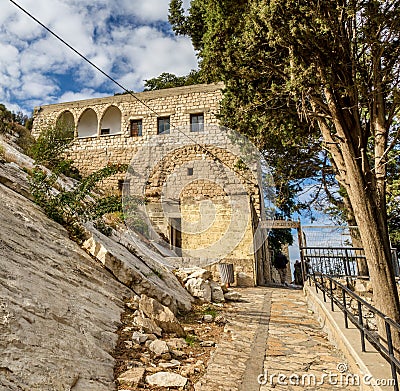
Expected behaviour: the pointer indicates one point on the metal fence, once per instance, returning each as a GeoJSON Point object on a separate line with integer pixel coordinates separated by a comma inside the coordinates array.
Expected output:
{"type": "Point", "coordinates": [339, 261]}
{"type": "Point", "coordinates": [338, 295]}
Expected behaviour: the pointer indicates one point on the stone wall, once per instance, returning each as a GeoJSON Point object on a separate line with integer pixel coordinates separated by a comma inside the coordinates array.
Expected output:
{"type": "Point", "coordinates": [90, 153]}
{"type": "Point", "coordinates": [192, 176]}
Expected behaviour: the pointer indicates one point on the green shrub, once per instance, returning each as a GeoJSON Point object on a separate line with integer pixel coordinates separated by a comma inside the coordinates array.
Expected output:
{"type": "Point", "coordinates": [50, 147]}
{"type": "Point", "coordinates": [101, 226]}
{"type": "Point", "coordinates": [191, 340]}
{"type": "Point", "coordinates": [81, 203]}
{"type": "Point", "coordinates": [133, 216]}
{"type": "Point", "coordinates": [25, 139]}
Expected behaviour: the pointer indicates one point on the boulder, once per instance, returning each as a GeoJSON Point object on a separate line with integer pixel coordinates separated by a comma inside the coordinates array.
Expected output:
{"type": "Point", "coordinates": [232, 296]}
{"type": "Point", "coordinates": [161, 315]}
{"type": "Point", "coordinates": [147, 325]}
{"type": "Point", "coordinates": [199, 288]}
{"type": "Point", "coordinates": [142, 274]}
{"type": "Point", "coordinates": [132, 377]}
{"type": "Point", "coordinates": [59, 309]}
{"type": "Point", "coordinates": [200, 273]}
{"type": "Point", "coordinates": [183, 273]}
{"type": "Point", "coordinates": [244, 280]}
{"type": "Point", "coordinates": [166, 379]}
{"type": "Point", "coordinates": [159, 347]}
{"type": "Point", "coordinates": [139, 337]}
{"type": "Point", "coordinates": [217, 294]}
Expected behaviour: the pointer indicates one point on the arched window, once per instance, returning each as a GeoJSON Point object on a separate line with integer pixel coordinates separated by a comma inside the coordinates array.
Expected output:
{"type": "Point", "coordinates": [111, 122]}
{"type": "Point", "coordinates": [87, 124]}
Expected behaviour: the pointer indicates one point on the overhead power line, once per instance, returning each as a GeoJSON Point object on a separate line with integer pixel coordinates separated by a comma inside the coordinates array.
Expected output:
{"type": "Point", "coordinates": [214, 157]}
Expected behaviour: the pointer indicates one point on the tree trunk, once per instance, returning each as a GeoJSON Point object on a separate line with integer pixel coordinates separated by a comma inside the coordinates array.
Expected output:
{"type": "Point", "coordinates": [356, 176]}
{"type": "Point", "coordinates": [377, 252]}
{"type": "Point", "coordinates": [362, 266]}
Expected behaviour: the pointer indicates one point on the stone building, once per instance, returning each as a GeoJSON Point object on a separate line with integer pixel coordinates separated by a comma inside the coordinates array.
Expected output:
{"type": "Point", "coordinates": [201, 195]}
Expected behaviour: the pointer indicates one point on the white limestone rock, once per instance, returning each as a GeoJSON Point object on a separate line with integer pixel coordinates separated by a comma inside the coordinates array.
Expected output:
{"type": "Point", "coordinates": [166, 379]}
{"type": "Point", "coordinates": [159, 347]}
{"type": "Point", "coordinates": [208, 318]}
{"type": "Point", "coordinates": [183, 273]}
{"type": "Point", "coordinates": [161, 315]}
{"type": "Point", "coordinates": [217, 294]}
{"type": "Point", "coordinates": [132, 377]}
{"type": "Point", "coordinates": [147, 325]}
{"type": "Point", "coordinates": [169, 365]}
{"type": "Point", "coordinates": [200, 273]}
{"type": "Point", "coordinates": [137, 273]}
{"type": "Point", "coordinates": [176, 343]}
{"type": "Point", "coordinates": [139, 338]}
{"type": "Point", "coordinates": [59, 308]}
{"type": "Point", "coordinates": [232, 296]}
{"type": "Point", "coordinates": [199, 288]}
{"type": "Point", "coordinates": [244, 280]}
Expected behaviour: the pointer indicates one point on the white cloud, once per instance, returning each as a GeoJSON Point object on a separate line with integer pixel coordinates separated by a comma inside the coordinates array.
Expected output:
{"type": "Point", "coordinates": [122, 38]}
{"type": "Point", "coordinates": [86, 93]}
{"type": "Point", "coordinates": [145, 10]}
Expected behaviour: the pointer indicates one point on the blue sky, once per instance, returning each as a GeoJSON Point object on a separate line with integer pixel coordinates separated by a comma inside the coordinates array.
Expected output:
{"type": "Point", "coordinates": [129, 39]}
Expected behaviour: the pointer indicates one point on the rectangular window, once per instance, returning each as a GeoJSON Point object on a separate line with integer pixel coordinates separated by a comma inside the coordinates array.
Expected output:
{"type": "Point", "coordinates": [197, 122]}
{"type": "Point", "coordinates": [163, 125]}
{"type": "Point", "coordinates": [104, 132]}
{"type": "Point", "coordinates": [136, 127]}
{"type": "Point", "coordinates": [190, 171]}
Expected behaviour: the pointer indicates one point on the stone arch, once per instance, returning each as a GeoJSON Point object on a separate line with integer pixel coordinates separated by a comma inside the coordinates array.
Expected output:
{"type": "Point", "coordinates": [203, 204]}
{"type": "Point", "coordinates": [111, 121]}
{"type": "Point", "coordinates": [66, 119]}
{"type": "Point", "coordinates": [191, 153]}
{"type": "Point", "coordinates": [87, 124]}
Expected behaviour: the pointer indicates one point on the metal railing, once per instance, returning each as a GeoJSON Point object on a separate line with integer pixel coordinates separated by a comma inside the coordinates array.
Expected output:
{"type": "Point", "coordinates": [339, 261]}
{"type": "Point", "coordinates": [338, 294]}
{"type": "Point", "coordinates": [335, 261]}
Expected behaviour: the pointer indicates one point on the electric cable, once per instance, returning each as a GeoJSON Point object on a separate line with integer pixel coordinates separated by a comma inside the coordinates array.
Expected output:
{"type": "Point", "coordinates": [214, 157]}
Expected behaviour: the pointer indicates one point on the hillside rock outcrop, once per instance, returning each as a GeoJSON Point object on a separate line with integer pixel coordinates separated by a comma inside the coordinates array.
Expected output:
{"type": "Point", "coordinates": [59, 309]}
{"type": "Point", "coordinates": [141, 274]}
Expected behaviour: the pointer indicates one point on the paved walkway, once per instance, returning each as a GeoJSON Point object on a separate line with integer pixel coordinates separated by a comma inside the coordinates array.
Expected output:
{"type": "Point", "coordinates": [273, 339]}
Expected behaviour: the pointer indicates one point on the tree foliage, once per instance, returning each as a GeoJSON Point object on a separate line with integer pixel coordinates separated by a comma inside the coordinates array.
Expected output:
{"type": "Point", "coordinates": [83, 201]}
{"type": "Point", "coordinates": [50, 148]}
{"type": "Point", "coordinates": [19, 125]}
{"type": "Point", "coordinates": [251, 105]}
{"type": "Point", "coordinates": [169, 80]}
{"type": "Point", "coordinates": [6, 119]}
{"type": "Point", "coordinates": [314, 72]}
{"type": "Point", "coordinates": [69, 207]}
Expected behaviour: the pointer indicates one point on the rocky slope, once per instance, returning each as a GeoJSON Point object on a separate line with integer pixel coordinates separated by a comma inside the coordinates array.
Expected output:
{"type": "Point", "coordinates": [60, 307]}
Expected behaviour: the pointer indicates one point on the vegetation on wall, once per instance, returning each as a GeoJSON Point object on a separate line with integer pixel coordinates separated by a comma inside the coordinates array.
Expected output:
{"type": "Point", "coordinates": [169, 80]}
{"type": "Point", "coordinates": [83, 201]}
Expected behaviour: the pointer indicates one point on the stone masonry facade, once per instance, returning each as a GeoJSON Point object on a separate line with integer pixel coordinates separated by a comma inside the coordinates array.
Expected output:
{"type": "Point", "coordinates": [187, 169]}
